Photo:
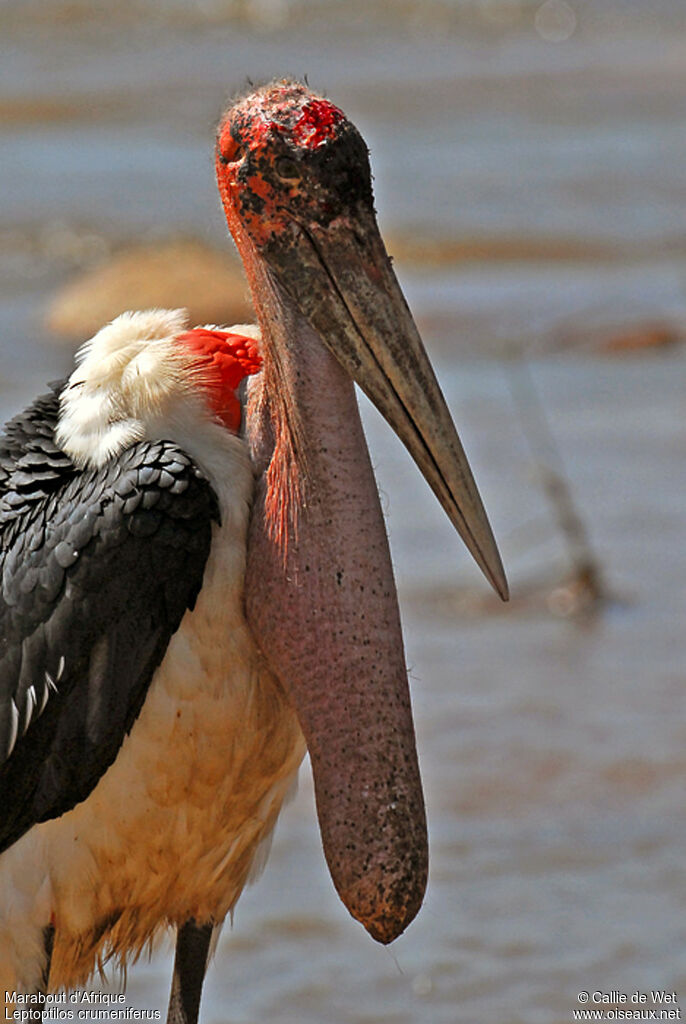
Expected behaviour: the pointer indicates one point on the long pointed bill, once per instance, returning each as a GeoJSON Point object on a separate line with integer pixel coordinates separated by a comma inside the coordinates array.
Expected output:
{"type": "Point", "coordinates": [341, 279]}
{"type": "Point", "coordinates": [323, 608]}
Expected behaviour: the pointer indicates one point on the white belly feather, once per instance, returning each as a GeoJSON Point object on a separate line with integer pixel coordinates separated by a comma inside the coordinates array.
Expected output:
{"type": "Point", "coordinates": [171, 829]}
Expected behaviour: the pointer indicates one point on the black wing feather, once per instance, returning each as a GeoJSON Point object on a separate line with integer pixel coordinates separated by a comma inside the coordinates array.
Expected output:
{"type": "Point", "coordinates": [97, 569]}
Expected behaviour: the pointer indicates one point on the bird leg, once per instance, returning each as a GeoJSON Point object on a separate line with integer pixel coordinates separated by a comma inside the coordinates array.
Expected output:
{"type": "Point", "coordinates": [192, 947]}
{"type": "Point", "coordinates": [48, 943]}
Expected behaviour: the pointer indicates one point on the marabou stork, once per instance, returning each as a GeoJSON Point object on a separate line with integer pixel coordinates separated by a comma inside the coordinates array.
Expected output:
{"type": "Point", "coordinates": [196, 584]}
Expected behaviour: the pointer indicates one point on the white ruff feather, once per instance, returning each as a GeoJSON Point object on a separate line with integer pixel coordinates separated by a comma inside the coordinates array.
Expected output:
{"type": "Point", "coordinates": [172, 829]}
{"type": "Point", "coordinates": [134, 382]}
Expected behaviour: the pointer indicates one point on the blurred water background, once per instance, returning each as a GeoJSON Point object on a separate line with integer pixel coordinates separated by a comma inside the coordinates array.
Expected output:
{"type": "Point", "coordinates": [530, 164]}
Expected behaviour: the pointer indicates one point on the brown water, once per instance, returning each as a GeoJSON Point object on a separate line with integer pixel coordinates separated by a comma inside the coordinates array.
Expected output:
{"type": "Point", "coordinates": [553, 751]}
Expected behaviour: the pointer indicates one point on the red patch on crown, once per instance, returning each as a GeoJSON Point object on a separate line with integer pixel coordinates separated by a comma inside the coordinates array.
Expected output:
{"type": "Point", "coordinates": [222, 360]}
{"type": "Point", "coordinates": [316, 123]}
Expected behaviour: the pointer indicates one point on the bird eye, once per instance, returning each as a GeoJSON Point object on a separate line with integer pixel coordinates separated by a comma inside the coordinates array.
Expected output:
{"type": "Point", "coordinates": [287, 168]}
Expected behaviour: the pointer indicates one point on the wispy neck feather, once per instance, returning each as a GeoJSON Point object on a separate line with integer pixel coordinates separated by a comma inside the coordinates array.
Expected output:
{"type": "Point", "coordinates": [275, 428]}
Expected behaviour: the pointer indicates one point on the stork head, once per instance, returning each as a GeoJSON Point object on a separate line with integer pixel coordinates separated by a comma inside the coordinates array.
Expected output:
{"type": "Point", "coordinates": [295, 183]}
{"type": "Point", "coordinates": [285, 156]}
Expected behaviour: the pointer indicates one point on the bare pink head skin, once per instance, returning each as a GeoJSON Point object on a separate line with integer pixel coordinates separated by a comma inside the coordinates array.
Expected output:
{"type": "Point", "coordinates": [295, 183]}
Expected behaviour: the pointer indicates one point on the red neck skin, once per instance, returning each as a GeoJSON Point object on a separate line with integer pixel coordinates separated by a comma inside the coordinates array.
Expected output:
{"type": "Point", "coordinates": [221, 360]}
{"type": "Point", "coordinates": [321, 602]}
